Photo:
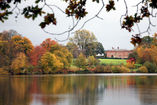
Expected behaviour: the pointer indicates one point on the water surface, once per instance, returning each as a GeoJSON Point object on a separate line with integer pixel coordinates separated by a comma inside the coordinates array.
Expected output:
{"type": "Point", "coordinates": [94, 89]}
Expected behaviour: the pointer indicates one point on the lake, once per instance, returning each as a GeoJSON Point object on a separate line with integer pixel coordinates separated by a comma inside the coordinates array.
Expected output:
{"type": "Point", "coordinates": [79, 89]}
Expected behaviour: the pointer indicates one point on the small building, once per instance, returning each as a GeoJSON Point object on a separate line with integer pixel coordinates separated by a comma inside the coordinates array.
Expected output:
{"type": "Point", "coordinates": [118, 53]}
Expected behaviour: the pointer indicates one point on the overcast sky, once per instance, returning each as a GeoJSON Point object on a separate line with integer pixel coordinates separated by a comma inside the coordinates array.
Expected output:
{"type": "Point", "coordinates": [107, 31]}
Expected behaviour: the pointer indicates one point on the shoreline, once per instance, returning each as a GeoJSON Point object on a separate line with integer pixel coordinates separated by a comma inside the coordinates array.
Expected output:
{"type": "Point", "coordinates": [86, 74]}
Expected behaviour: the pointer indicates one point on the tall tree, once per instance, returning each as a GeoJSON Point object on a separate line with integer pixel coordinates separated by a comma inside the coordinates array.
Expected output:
{"type": "Point", "coordinates": [22, 44]}
{"type": "Point", "coordinates": [85, 41]}
{"type": "Point", "coordinates": [19, 64]}
{"type": "Point", "coordinates": [50, 63]}
{"type": "Point", "coordinates": [99, 48]}
{"type": "Point", "coordinates": [62, 54]}
{"type": "Point", "coordinates": [48, 43]}
{"type": "Point", "coordinates": [73, 48]}
{"type": "Point", "coordinates": [36, 54]}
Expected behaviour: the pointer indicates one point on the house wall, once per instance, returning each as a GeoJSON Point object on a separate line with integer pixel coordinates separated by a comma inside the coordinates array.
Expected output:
{"type": "Point", "coordinates": [118, 53]}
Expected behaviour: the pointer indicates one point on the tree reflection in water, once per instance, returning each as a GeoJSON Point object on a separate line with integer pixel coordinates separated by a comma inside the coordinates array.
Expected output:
{"type": "Point", "coordinates": [78, 90]}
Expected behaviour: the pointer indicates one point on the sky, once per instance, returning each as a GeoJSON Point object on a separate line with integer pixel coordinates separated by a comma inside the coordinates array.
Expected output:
{"type": "Point", "coordinates": [107, 31]}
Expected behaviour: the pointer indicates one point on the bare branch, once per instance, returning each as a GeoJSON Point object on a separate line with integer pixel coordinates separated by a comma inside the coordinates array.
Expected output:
{"type": "Point", "coordinates": [95, 16]}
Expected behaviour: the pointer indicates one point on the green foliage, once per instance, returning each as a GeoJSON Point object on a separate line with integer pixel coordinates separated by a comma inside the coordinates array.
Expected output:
{"type": "Point", "coordinates": [99, 48]}
{"type": "Point", "coordinates": [73, 49]}
{"type": "Point", "coordinates": [120, 69]}
{"type": "Point", "coordinates": [85, 41]}
{"type": "Point", "coordinates": [112, 61]}
{"type": "Point", "coordinates": [133, 55]}
{"type": "Point", "coordinates": [50, 63]}
{"type": "Point", "coordinates": [92, 61]}
{"type": "Point", "coordinates": [81, 61]}
{"type": "Point", "coordinates": [150, 66]}
{"type": "Point", "coordinates": [116, 69]}
{"type": "Point", "coordinates": [147, 40]}
{"type": "Point", "coordinates": [142, 69]}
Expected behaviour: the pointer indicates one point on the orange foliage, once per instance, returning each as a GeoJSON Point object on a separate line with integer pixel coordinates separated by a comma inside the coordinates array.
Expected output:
{"type": "Point", "coordinates": [48, 43]}
{"type": "Point", "coordinates": [36, 54]}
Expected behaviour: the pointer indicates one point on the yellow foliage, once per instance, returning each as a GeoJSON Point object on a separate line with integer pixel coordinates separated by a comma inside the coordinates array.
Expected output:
{"type": "Point", "coordinates": [143, 69]}
{"type": "Point", "coordinates": [19, 63]}
{"type": "Point", "coordinates": [50, 63]}
{"type": "Point", "coordinates": [64, 56]}
{"type": "Point", "coordinates": [148, 53]}
{"type": "Point", "coordinates": [22, 44]}
{"type": "Point", "coordinates": [130, 65]}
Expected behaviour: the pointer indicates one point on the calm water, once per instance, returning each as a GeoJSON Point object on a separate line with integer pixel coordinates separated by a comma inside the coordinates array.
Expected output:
{"type": "Point", "coordinates": [79, 90]}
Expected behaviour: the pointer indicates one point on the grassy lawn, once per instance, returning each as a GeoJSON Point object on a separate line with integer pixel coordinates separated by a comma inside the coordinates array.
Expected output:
{"type": "Point", "coordinates": [113, 61]}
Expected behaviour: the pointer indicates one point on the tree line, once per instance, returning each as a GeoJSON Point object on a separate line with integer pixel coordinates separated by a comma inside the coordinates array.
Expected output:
{"type": "Point", "coordinates": [19, 56]}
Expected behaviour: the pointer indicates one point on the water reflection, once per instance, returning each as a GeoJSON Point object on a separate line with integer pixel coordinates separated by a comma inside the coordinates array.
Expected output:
{"type": "Point", "coordinates": [78, 90]}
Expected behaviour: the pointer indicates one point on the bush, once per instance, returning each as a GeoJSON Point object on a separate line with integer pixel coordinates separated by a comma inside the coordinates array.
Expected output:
{"type": "Point", "coordinates": [130, 65]}
{"type": "Point", "coordinates": [120, 69]}
{"type": "Point", "coordinates": [116, 69]}
{"type": "Point", "coordinates": [124, 69]}
{"type": "Point", "coordinates": [83, 72]}
{"type": "Point", "coordinates": [99, 69]}
{"type": "Point", "coordinates": [142, 69]}
{"type": "Point", "coordinates": [92, 61]}
{"type": "Point", "coordinates": [81, 61]}
{"type": "Point", "coordinates": [150, 66]}
{"type": "Point", "coordinates": [107, 69]}
{"type": "Point", "coordinates": [137, 65]}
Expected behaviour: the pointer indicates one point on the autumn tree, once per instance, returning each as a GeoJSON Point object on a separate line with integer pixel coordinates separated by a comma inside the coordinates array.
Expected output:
{"type": "Point", "coordinates": [48, 43]}
{"type": "Point", "coordinates": [50, 63]}
{"type": "Point", "coordinates": [148, 53]}
{"type": "Point", "coordinates": [73, 48]}
{"type": "Point", "coordinates": [81, 61]}
{"type": "Point", "coordinates": [85, 41]}
{"type": "Point", "coordinates": [36, 54]}
{"type": "Point", "coordinates": [7, 50]}
{"type": "Point", "coordinates": [63, 54]}
{"type": "Point", "coordinates": [19, 64]}
{"type": "Point", "coordinates": [22, 44]}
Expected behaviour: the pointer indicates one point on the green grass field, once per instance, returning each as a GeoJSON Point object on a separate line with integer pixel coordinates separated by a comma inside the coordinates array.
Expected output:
{"type": "Point", "coordinates": [113, 61]}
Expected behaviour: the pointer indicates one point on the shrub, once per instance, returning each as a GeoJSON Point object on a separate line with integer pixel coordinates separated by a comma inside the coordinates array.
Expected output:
{"type": "Point", "coordinates": [92, 61]}
{"type": "Point", "coordinates": [116, 69]}
{"type": "Point", "coordinates": [81, 61]}
{"type": "Point", "coordinates": [99, 69]}
{"type": "Point", "coordinates": [142, 69]}
{"type": "Point", "coordinates": [130, 65]}
{"type": "Point", "coordinates": [124, 69]}
{"type": "Point", "coordinates": [150, 66]}
{"type": "Point", "coordinates": [107, 69]}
